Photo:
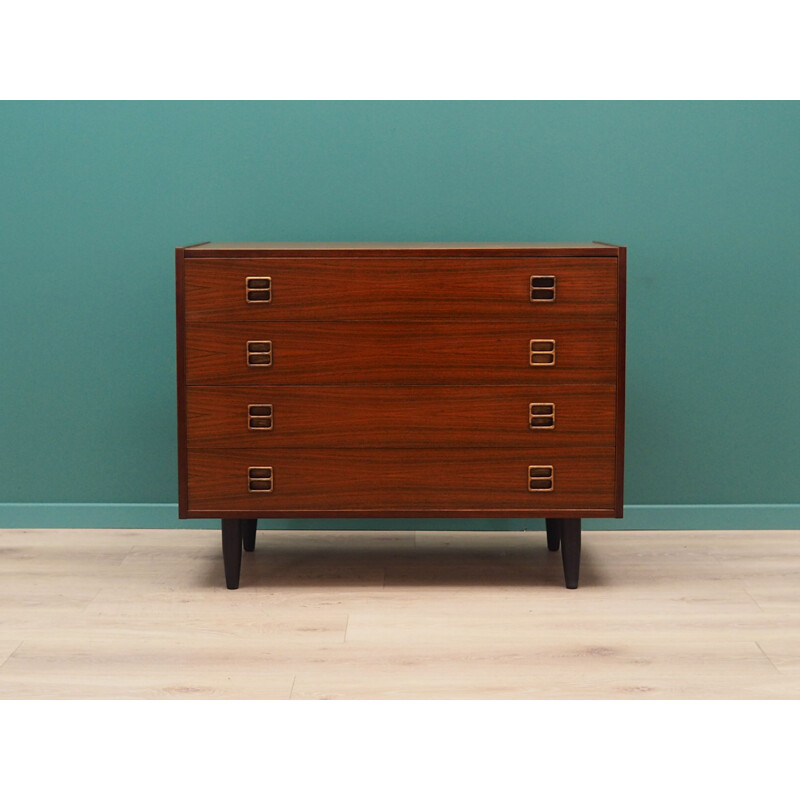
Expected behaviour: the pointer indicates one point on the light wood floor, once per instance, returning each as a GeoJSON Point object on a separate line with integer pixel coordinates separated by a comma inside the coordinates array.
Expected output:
{"type": "Point", "coordinates": [131, 614]}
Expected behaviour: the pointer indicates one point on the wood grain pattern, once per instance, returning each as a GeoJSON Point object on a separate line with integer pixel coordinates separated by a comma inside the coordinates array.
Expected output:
{"type": "Point", "coordinates": [622, 283]}
{"type": "Point", "coordinates": [337, 482]}
{"type": "Point", "coordinates": [619, 467]}
{"type": "Point", "coordinates": [400, 288]}
{"type": "Point", "coordinates": [399, 416]}
{"type": "Point", "coordinates": [418, 356]}
{"type": "Point", "coordinates": [90, 614]}
{"type": "Point", "coordinates": [413, 353]}
{"type": "Point", "coordinates": [180, 332]}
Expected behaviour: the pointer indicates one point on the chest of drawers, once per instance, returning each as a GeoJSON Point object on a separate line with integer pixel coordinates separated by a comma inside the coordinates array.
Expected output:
{"type": "Point", "coordinates": [408, 380]}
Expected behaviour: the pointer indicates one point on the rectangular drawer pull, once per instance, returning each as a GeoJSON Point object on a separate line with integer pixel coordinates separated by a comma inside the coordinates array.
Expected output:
{"type": "Point", "coordinates": [540, 478]}
{"type": "Point", "coordinates": [259, 479]}
{"type": "Point", "coordinates": [543, 352]}
{"type": "Point", "coordinates": [259, 417]}
{"type": "Point", "coordinates": [543, 288]}
{"type": "Point", "coordinates": [259, 354]}
{"type": "Point", "coordinates": [258, 289]}
{"type": "Point", "coordinates": [542, 416]}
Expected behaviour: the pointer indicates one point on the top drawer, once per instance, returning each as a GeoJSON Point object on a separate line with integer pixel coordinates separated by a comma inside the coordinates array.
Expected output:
{"type": "Point", "coordinates": [286, 289]}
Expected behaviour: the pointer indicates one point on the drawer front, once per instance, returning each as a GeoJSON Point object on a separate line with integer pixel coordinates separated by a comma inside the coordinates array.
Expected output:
{"type": "Point", "coordinates": [284, 482]}
{"type": "Point", "coordinates": [402, 416]}
{"type": "Point", "coordinates": [399, 288]}
{"type": "Point", "coordinates": [457, 352]}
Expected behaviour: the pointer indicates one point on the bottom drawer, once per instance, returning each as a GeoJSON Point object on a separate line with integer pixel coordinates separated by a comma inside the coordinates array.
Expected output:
{"type": "Point", "coordinates": [281, 482]}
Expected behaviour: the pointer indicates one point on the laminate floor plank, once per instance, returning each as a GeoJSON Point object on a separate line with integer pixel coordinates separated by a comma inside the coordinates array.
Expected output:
{"type": "Point", "coordinates": [399, 614]}
{"type": "Point", "coordinates": [466, 676]}
{"type": "Point", "coordinates": [783, 652]}
{"type": "Point", "coordinates": [81, 666]}
{"type": "Point", "coordinates": [6, 649]}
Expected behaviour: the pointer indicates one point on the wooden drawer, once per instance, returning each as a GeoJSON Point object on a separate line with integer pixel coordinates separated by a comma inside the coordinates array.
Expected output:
{"type": "Point", "coordinates": [399, 482]}
{"type": "Point", "coordinates": [439, 352]}
{"type": "Point", "coordinates": [401, 416]}
{"type": "Point", "coordinates": [399, 288]}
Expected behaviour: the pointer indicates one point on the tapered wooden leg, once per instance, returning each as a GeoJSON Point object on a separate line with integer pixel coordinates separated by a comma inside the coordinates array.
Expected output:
{"type": "Point", "coordinates": [232, 551]}
{"type": "Point", "coordinates": [553, 533]}
{"type": "Point", "coordinates": [571, 551]}
{"type": "Point", "coordinates": [249, 534]}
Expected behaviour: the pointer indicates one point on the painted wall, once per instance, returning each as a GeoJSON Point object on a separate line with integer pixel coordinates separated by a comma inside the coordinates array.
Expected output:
{"type": "Point", "coordinates": [95, 196]}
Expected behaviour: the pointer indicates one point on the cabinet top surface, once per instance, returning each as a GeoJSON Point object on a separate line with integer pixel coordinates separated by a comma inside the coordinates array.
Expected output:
{"type": "Point", "coordinates": [208, 249]}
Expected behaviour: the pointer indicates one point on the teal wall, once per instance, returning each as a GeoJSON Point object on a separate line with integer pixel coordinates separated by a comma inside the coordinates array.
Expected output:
{"type": "Point", "coordinates": [95, 196]}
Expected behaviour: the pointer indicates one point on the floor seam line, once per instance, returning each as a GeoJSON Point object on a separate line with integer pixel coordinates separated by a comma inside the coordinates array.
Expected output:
{"type": "Point", "coordinates": [758, 605]}
{"type": "Point", "coordinates": [8, 657]}
{"type": "Point", "coordinates": [768, 658]}
{"type": "Point", "coordinates": [125, 557]}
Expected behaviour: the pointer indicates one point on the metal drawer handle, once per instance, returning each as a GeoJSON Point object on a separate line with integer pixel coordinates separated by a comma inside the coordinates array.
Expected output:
{"type": "Point", "coordinates": [542, 416]}
{"type": "Point", "coordinates": [259, 479]}
{"type": "Point", "coordinates": [543, 288]}
{"type": "Point", "coordinates": [259, 417]}
{"type": "Point", "coordinates": [543, 352]}
{"type": "Point", "coordinates": [541, 478]}
{"type": "Point", "coordinates": [258, 289]}
{"type": "Point", "coordinates": [259, 353]}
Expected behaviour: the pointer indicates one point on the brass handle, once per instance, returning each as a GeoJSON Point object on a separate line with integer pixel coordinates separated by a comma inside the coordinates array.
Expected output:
{"type": "Point", "coordinates": [543, 352]}
{"type": "Point", "coordinates": [258, 289]}
{"type": "Point", "coordinates": [259, 353]}
{"type": "Point", "coordinates": [259, 479]}
{"type": "Point", "coordinates": [542, 416]}
{"type": "Point", "coordinates": [543, 288]}
{"type": "Point", "coordinates": [541, 478]}
{"type": "Point", "coordinates": [259, 417]}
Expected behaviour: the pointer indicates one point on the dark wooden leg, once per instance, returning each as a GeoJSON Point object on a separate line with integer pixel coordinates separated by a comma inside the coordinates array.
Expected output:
{"type": "Point", "coordinates": [553, 533]}
{"type": "Point", "coordinates": [249, 534]}
{"type": "Point", "coordinates": [232, 551]}
{"type": "Point", "coordinates": [571, 551]}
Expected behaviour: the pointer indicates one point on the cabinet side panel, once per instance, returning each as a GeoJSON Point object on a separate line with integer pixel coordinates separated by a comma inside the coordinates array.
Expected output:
{"type": "Point", "coordinates": [180, 336]}
{"type": "Point", "coordinates": [620, 444]}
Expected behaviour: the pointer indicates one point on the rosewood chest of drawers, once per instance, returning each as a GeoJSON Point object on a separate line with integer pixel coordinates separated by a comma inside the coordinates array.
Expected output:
{"type": "Point", "coordinates": [408, 380]}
